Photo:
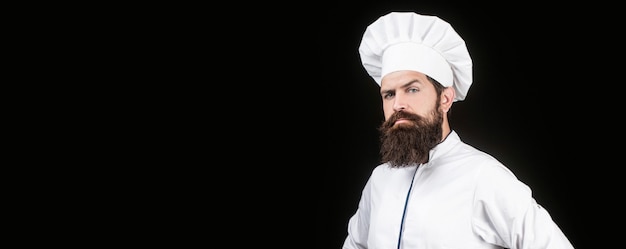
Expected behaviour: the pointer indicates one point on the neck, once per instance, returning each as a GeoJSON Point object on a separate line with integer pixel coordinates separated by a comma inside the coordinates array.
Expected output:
{"type": "Point", "coordinates": [445, 128]}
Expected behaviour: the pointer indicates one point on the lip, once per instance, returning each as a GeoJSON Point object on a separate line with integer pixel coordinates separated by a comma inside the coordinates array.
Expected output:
{"type": "Point", "coordinates": [400, 121]}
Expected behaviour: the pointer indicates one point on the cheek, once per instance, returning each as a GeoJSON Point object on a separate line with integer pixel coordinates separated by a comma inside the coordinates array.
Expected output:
{"type": "Point", "coordinates": [387, 111]}
{"type": "Point", "coordinates": [424, 107]}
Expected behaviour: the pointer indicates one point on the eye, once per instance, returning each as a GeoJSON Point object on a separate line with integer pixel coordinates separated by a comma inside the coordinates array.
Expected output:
{"type": "Point", "coordinates": [388, 95]}
{"type": "Point", "coordinates": [412, 90]}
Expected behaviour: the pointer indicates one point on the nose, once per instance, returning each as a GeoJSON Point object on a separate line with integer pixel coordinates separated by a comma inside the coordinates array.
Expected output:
{"type": "Point", "coordinates": [398, 104]}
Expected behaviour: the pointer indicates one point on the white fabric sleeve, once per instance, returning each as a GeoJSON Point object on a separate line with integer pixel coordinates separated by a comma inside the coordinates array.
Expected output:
{"type": "Point", "coordinates": [506, 214]}
{"type": "Point", "coordinates": [358, 225]}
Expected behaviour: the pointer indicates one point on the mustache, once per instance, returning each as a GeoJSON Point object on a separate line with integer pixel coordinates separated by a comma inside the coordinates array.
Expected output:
{"type": "Point", "coordinates": [404, 115]}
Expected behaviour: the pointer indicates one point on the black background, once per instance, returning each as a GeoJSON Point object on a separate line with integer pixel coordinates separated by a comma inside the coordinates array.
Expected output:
{"type": "Point", "coordinates": [544, 101]}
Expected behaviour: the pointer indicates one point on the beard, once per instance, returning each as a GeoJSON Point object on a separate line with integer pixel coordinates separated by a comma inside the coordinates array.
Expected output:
{"type": "Point", "coordinates": [407, 144]}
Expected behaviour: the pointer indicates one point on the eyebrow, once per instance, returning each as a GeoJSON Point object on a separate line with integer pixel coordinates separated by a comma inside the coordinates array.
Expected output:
{"type": "Point", "coordinates": [405, 85]}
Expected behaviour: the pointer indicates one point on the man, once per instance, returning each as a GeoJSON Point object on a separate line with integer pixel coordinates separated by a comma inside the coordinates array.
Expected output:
{"type": "Point", "coordinates": [433, 190]}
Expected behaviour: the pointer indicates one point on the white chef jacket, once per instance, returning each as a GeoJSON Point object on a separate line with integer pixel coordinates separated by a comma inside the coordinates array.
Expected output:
{"type": "Point", "coordinates": [462, 198]}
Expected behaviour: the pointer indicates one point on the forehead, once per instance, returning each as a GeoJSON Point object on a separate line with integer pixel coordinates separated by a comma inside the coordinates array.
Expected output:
{"type": "Point", "coordinates": [403, 78]}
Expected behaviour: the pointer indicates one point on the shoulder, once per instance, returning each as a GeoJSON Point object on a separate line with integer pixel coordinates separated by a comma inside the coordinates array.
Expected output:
{"type": "Point", "coordinates": [487, 171]}
{"type": "Point", "coordinates": [469, 156]}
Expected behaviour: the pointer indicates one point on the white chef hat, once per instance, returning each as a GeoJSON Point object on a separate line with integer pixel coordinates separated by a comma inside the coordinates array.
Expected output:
{"type": "Point", "coordinates": [410, 41]}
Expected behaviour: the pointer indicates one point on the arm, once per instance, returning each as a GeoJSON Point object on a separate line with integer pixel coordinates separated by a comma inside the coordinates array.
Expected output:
{"type": "Point", "coordinates": [506, 214]}
{"type": "Point", "coordinates": [358, 225]}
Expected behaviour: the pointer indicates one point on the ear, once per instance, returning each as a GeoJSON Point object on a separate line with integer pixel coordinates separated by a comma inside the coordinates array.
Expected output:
{"type": "Point", "coordinates": [447, 98]}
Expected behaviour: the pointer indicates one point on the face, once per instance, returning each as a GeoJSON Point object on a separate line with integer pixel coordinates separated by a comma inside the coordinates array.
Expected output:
{"type": "Point", "coordinates": [407, 91]}
{"type": "Point", "coordinates": [413, 118]}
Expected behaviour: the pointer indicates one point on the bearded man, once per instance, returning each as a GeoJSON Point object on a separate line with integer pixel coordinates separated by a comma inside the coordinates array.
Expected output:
{"type": "Point", "coordinates": [433, 190]}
